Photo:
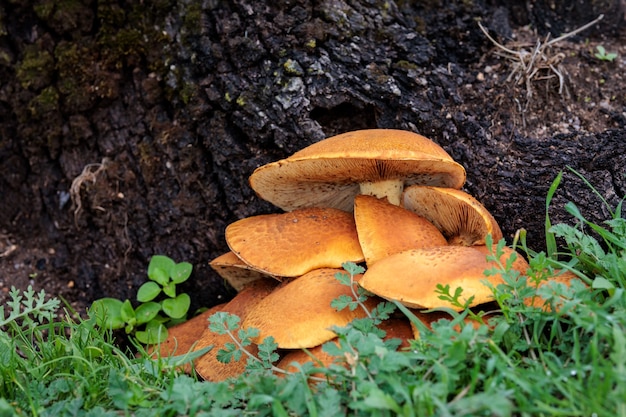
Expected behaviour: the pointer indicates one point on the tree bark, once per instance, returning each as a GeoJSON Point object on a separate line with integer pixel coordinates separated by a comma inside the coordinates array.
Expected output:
{"type": "Point", "coordinates": [129, 129]}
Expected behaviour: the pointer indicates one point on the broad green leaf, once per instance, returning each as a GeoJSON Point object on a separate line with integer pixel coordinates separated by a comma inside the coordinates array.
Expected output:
{"type": "Point", "coordinates": [154, 333]}
{"type": "Point", "coordinates": [378, 399]}
{"type": "Point", "coordinates": [107, 312]}
{"type": "Point", "coordinates": [160, 276]}
{"type": "Point", "coordinates": [127, 312]}
{"type": "Point", "coordinates": [147, 311]}
{"type": "Point", "coordinates": [181, 272]}
{"type": "Point", "coordinates": [160, 268]}
{"type": "Point", "coordinates": [602, 283]}
{"type": "Point", "coordinates": [170, 289]}
{"type": "Point", "coordinates": [148, 291]}
{"type": "Point", "coordinates": [176, 307]}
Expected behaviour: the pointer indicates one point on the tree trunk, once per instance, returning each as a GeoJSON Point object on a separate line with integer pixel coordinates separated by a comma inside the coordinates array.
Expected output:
{"type": "Point", "coordinates": [129, 129]}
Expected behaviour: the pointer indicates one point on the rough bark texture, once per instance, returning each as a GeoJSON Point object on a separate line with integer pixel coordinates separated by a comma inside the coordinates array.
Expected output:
{"type": "Point", "coordinates": [129, 129]}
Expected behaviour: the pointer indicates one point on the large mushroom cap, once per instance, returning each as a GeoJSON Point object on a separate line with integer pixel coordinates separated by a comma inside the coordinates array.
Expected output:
{"type": "Point", "coordinates": [385, 229]}
{"type": "Point", "coordinates": [292, 244]}
{"type": "Point", "coordinates": [460, 217]}
{"type": "Point", "coordinates": [299, 314]}
{"type": "Point", "coordinates": [411, 277]}
{"type": "Point", "coordinates": [379, 162]}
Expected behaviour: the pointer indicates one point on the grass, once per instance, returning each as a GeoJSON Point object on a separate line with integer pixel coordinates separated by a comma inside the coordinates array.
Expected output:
{"type": "Point", "coordinates": [529, 361]}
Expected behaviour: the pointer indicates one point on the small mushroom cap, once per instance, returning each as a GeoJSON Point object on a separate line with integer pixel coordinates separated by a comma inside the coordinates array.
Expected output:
{"type": "Point", "coordinates": [385, 229]}
{"type": "Point", "coordinates": [459, 216]}
{"type": "Point", "coordinates": [560, 277]}
{"type": "Point", "coordinates": [316, 355]}
{"type": "Point", "coordinates": [434, 316]}
{"type": "Point", "coordinates": [329, 173]}
{"type": "Point", "coordinates": [207, 366]}
{"type": "Point", "coordinates": [398, 328]}
{"type": "Point", "coordinates": [292, 244]}
{"type": "Point", "coordinates": [182, 337]}
{"type": "Point", "coordinates": [411, 277]}
{"type": "Point", "coordinates": [236, 272]}
{"type": "Point", "coordinates": [299, 313]}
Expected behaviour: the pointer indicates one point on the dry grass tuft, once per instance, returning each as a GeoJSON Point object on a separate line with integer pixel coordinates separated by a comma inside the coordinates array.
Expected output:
{"type": "Point", "coordinates": [536, 62]}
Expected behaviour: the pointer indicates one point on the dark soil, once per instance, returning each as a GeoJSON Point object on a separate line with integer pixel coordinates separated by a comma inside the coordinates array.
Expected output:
{"type": "Point", "coordinates": [130, 131]}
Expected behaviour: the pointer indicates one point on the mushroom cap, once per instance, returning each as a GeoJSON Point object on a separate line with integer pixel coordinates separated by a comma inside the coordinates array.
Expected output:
{"type": "Point", "coordinates": [461, 218]}
{"type": "Point", "coordinates": [328, 173]}
{"type": "Point", "coordinates": [398, 328]}
{"type": "Point", "coordinates": [182, 337]}
{"type": "Point", "coordinates": [292, 244]}
{"type": "Point", "coordinates": [411, 277]}
{"type": "Point", "coordinates": [236, 272]}
{"type": "Point", "coordinates": [519, 264]}
{"type": "Point", "coordinates": [316, 354]}
{"type": "Point", "coordinates": [207, 366]}
{"type": "Point", "coordinates": [385, 229]}
{"type": "Point", "coordinates": [561, 277]}
{"type": "Point", "coordinates": [298, 314]}
{"type": "Point", "coordinates": [434, 316]}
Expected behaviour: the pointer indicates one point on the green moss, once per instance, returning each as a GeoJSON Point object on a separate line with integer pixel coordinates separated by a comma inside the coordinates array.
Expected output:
{"type": "Point", "coordinates": [35, 69]}
{"type": "Point", "coordinates": [46, 102]}
{"type": "Point", "coordinates": [405, 65]}
{"type": "Point", "coordinates": [44, 9]}
{"type": "Point", "coordinates": [192, 21]}
{"type": "Point", "coordinates": [73, 59]}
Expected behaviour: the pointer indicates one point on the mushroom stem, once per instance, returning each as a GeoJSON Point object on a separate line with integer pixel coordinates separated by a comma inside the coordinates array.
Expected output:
{"type": "Point", "coordinates": [392, 189]}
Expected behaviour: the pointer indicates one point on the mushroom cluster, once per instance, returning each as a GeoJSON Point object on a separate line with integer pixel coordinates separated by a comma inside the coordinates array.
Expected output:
{"type": "Point", "coordinates": [388, 199]}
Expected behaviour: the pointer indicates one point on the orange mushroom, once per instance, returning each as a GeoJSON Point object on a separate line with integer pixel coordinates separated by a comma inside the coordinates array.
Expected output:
{"type": "Point", "coordinates": [234, 271]}
{"type": "Point", "coordinates": [385, 229]}
{"type": "Point", "coordinates": [411, 277]}
{"type": "Point", "coordinates": [459, 216]}
{"type": "Point", "coordinates": [379, 162]}
{"type": "Point", "coordinates": [428, 319]}
{"type": "Point", "coordinates": [207, 366]}
{"type": "Point", "coordinates": [299, 313]}
{"type": "Point", "coordinates": [398, 328]}
{"type": "Point", "coordinates": [560, 277]}
{"type": "Point", "coordinates": [182, 338]}
{"type": "Point", "coordinates": [292, 244]}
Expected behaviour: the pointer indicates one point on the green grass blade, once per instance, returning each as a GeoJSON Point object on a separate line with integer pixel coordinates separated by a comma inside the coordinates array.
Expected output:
{"type": "Point", "coordinates": [551, 248]}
